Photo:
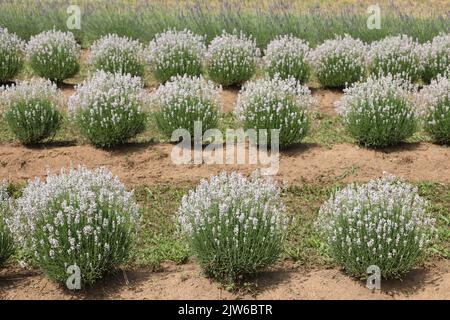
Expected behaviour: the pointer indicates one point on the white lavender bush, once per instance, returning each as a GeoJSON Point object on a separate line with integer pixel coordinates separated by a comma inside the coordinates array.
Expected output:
{"type": "Point", "coordinates": [435, 103]}
{"type": "Point", "coordinates": [6, 239]}
{"type": "Point", "coordinates": [287, 56]}
{"type": "Point", "coordinates": [174, 53]}
{"type": "Point", "coordinates": [398, 56]}
{"type": "Point", "coordinates": [384, 223]}
{"type": "Point", "coordinates": [11, 55]}
{"type": "Point", "coordinates": [378, 112]}
{"type": "Point", "coordinates": [115, 54]}
{"type": "Point", "coordinates": [436, 58]}
{"type": "Point", "coordinates": [275, 104]}
{"type": "Point", "coordinates": [232, 59]}
{"type": "Point", "coordinates": [53, 55]}
{"type": "Point", "coordinates": [108, 108]}
{"type": "Point", "coordinates": [235, 226]}
{"type": "Point", "coordinates": [184, 100]}
{"type": "Point", "coordinates": [32, 109]}
{"type": "Point", "coordinates": [79, 217]}
{"type": "Point", "coordinates": [339, 62]}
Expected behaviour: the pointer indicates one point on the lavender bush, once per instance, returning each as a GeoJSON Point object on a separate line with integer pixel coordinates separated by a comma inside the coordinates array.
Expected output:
{"type": "Point", "coordinates": [184, 100]}
{"type": "Point", "coordinates": [116, 54]}
{"type": "Point", "coordinates": [339, 62]}
{"type": "Point", "coordinates": [232, 59]}
{"type": "Point", "coordinates": [79, 217]}
{"type": "Point", "coordinates": [275, 104]}
{"type": "Point", "coordinates": [383, 223]}
{"type": "Point", "coordinates": [32, 110]}
{"type": "Point", "coordinates": [287, 57]}
{"type": "Point", "coordinates": [53, 55]}
{"type": "Point", "coordinates": [174, 53]}
{"type": "Point", "coordinates": [435, 103]}
{"type": "Point", "coordinates": [436, 58]}
{"type": "Point", "coordinates": [108, 108]}
{"type": "Point", "coordinates": [235, 226]}
{"type": "Point", "coordinates": [6, 239]}
{"type": "Point", "coordinates": [11, 55]}
{"type": "Point", "coordinates": [378, 112]}
{"type": "Point", "coordinates": [398, 56]}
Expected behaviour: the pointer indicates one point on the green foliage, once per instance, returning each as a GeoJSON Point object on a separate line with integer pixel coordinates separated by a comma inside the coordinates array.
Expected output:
{"type": "Point", "coordinates": [6, 238]}
{"type": "Point", "coordinates": [384, 223]}
{"type": "Point", "coordinates": [33, 121]}
{"type": "Point", "coordinates": [235, 227]}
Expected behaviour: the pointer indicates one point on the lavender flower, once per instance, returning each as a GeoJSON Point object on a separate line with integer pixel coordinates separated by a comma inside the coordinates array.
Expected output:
{"type": "Point", "coordinates": [32, 109]}
{"type": "Point", "coordinates": [235, 226]}
{"type": "Point", "coordinates": [184, 100]}
{"type": "Point", "coordinates": [79, 217]}
{"type": "Point", "coordinates": [275, 104]}
{"type": "Point", "coordinates": [434, 102]}
{"type": "Point", "coordinates": [339, 62]}
{"type": "Point", "coordinates": [174, 53]}
{"type": "Point", "coordinates": [378, 112]}
{"type": "Point", "coordinates": [384, 223]}
{"type": "Point", "coordinates": [232, 59]}
{"type": "Point", "coordinates": [11, 55]}
{"type": "Point", "coordinates": [115, 54]}
{"type": "Point", "coordinates": [6, 239]}
{"type": "Point", "coordinates": [287, 56]}
{"type": "Point", "coordinates": [108, 108]}
{"type": "Point", "coordinates": [53, 55]}
{"type": "Point", "coordinates": [398, 56]}
{"type": "Point", "coordinates": [436, 58]}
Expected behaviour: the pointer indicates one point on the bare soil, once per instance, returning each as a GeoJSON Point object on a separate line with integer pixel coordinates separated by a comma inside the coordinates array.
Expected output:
{"type": "Point", "coordinates": [325, 100]}
{"type": "Point", "coordinates": [151, 164]}
{"type": "Point", "coordinates": [187, 282]}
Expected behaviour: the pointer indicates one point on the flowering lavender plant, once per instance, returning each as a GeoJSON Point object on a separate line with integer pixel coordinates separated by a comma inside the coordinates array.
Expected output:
{"type": "Point", "coordinates": [435, 103]}
{"type": "Point", "coordinates": [232, 59]}
{"type": "Point", "coordinates": [53, 55]}
{"type": "Point", "coordinates": [339, 62]}
{"type": "Point", "coordinates": [398, 56]}
{"type": "Point", "coordinates": [11, 52]}
{"type": "Point", "coordinates": [287, 57]}
{"type": "Point", "coordinates": [6, 239]}
{"type": "Point", "coordinates": [184, 100]}
{"type": "Point", "coordinates": [235, 226]}
{"type": "Point", "coordinates": [383, 223]}
{"type": "Point", "coordinates": [108, 108]}
{"type": "Point", "coordinates": [378, 112]}
{"type": "Point", "coordinates": [79, 217]}
{"type": "Point", "coordinates": [275, 104]}
{"type": "Point", "coordinates": [436, 58]}
{"type": "Point", "coordinates": [32, 109]}
{"type": "Point", "coordinates": [174, 53]}
{"type": "Point", "coordinates": [116, 54]}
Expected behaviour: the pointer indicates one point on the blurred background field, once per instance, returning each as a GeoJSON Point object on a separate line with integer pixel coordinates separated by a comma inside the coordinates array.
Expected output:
{"type": "Point", "coordinates": [312, 20]}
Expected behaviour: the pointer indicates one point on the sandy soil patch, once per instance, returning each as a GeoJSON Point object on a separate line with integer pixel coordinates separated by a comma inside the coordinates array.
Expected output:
{"type": "Point", "coordinates": [325, 100]}
{"type": "Point", "coordinates": [149, 164]}
{"type": "Point", "coordinates": [187, 282]}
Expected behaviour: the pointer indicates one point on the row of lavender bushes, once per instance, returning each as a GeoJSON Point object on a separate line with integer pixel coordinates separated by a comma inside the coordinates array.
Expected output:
{"type": "Point", "coordinates": [143, 19]}
{"type": "Point", "coordinates": [230, 59]}
{"type": "Point", "coordinates": [234, 226]}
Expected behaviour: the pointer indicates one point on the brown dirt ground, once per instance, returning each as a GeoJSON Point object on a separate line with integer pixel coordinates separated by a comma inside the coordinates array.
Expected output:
{"type": "Point", "coordinates": [325, 100]}
{"type": "Point", "coordinates": [139, 164]}
{"type": "Point", "coordinates": [187, 282]}
{"type": "Point", "coordinates": [151, 164]}
{"type": "Point", "coordinates": [229, 98]}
